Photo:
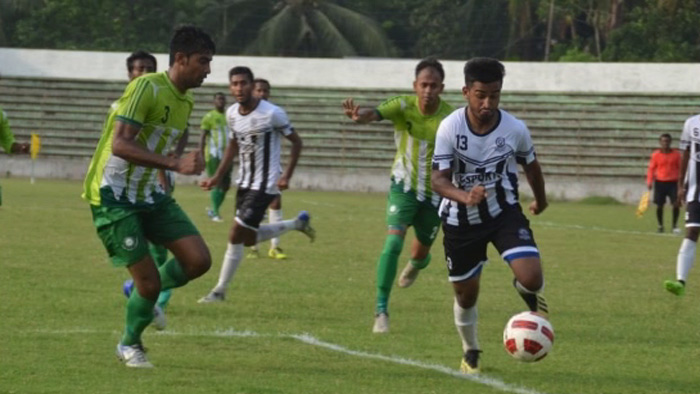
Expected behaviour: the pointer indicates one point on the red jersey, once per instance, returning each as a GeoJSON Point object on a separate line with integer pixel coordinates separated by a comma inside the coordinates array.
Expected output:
{"type": "Point", "coordinates": [664, 167]}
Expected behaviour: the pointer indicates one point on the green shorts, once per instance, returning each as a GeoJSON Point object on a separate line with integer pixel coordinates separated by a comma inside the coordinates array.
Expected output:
{"type": "Point", "coordinates": [125, 232]}
{"type": "Point", "coordinates": [403, 209]}
{"type": "Point", "coordinates": [211, 166]}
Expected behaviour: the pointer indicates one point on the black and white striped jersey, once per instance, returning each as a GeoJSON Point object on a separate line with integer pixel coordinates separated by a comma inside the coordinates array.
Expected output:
{"type": "Point", "coordinates": [489, 159]}
{"type": "Point", "coordinates": [690, 140]}
{"type": "Point", "coordinates": [258, 135]}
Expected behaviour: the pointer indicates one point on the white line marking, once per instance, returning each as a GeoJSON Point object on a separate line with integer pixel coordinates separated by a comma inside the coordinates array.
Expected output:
{"type": "Point", "coordinates": [310, 340]}
{"type": "Point", "coordinates": [482, 379]}
{"type": "Point", "coordinates": [602, 229]}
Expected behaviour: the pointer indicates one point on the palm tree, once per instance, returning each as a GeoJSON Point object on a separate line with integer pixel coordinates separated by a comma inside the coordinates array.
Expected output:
{"type": "Point", "coordinates": [231, 21]}
{"type": "Point", "coordinates": [319, 28]}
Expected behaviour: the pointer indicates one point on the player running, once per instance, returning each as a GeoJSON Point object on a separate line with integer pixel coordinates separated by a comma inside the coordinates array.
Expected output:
{"type": "Point", "coordinates": [688, 191]}
{"type": "Point", "coordinates": [129, 207]}
{"type": "Point", "coordinates": [137, 64]}
{"type": "Point", "coordinates": [255, 128]}
{"type": "Point", "coordinates": [262, 91]}
{"type": "Point", "coordinates": [213, 143]}
{"type": "Point", "coordinates": [477, 150]}
{"type": "Point", "coordinates": [411, 201]}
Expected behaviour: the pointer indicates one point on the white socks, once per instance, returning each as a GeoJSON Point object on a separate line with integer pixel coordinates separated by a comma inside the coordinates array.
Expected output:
{"type": "Point", "coordinates": [465, 321]}
{"type": "Point", "coordinates": [268, 231]}
{"type": "Point", "coordinates": [232, 259]}
{"type": "Point", "coordinates": [275, 217]}
{"type": "Point", "coordinates": [686, 259]}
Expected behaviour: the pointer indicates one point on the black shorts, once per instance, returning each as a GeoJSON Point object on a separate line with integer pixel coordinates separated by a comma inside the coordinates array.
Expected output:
{"type": "Point", "coordinates": [663, 190]}
{"type": "Point", "coordinates": [251, 206]}
{"type": "Point", "coordinates": [465, 247]}
{"type": "Point", "coordinates": [692, 214]}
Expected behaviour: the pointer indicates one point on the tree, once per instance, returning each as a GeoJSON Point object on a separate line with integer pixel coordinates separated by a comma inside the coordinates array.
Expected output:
{"type": "Point", "coordinates": [102, 24]}
{"type": "Point", "coordinates": [460, 30]}
{"type": "Point", "coordinates": [10, 12]}
{"type": "Point", "coordinates": [658, 30]}
{"type": "Point", "coordinates": [319, 28]}
{"type": "Point", "coordinates": [234, 23]}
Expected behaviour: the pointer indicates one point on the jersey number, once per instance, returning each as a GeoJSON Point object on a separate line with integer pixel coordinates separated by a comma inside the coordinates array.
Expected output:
{"type": "Point", "coordinates": [167, 114]}
{"type": "Point", "coordinates": [462, 142]}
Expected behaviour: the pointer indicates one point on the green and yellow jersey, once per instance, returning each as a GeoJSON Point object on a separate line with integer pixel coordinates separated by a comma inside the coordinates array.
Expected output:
{"type": "Point", "coordinates": [215, 122]}
{"type": "Point", "coordinates": [153, 103]}
{"type": "Point", "coordinates": [6, 136]}
{"type": "Point", "coordinates": [414, 134]}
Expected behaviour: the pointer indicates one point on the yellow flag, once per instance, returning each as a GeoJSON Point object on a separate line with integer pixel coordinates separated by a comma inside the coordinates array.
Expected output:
{"type": "Point", "coordinates": [643, 204]}
{"type": "Point", "coordinates": [35, 145]}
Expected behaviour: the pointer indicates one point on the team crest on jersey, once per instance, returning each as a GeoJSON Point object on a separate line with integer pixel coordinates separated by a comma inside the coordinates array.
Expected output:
{"type": "Point", "coordinates": [524, 234]}
{"type": "Point", "coordinates": [130, 243]}
{"type": "Point", "coordinates": [500, 144]}
{"type": "Point", "coordinates": [695, 131]}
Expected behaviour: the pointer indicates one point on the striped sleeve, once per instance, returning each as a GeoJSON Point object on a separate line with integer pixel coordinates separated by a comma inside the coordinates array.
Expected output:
{"type": "Point", "coordinates": [443, 155]}
{"type": "Point", "coordinates": [685, 135]}
{"type": "Point", "coordinates": [137, 102]}
{"type": "Point", "coordinates": [525, 153]}
{"type": "Point", "coordinates": [280, 122]}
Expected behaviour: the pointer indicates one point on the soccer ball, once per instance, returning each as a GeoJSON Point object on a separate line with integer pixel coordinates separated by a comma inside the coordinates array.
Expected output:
{"type": "Point", "coordinates": [528, 336]}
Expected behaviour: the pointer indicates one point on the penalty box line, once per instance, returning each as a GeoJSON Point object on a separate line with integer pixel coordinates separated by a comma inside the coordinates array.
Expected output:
{"type": "Point", "coordinates": [313, 341]}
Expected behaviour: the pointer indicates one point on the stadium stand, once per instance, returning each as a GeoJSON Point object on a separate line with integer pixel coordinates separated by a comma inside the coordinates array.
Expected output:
{"type": "Point", "coordinates": [577, 134]}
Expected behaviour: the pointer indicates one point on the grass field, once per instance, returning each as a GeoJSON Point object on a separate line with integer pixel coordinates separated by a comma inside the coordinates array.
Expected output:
{"type": "Point", "coordinates": [304, 325]}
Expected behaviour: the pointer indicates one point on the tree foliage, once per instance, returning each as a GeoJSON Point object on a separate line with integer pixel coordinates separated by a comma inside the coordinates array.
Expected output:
{"type": "Point", "coordinates": [319, 28]}
{"type": "Point", "coordinates": [581, 30]}
{"type": "Point", "coordinates": [665, 31]}
{"type": "Point", "coordinates": [101, 24]}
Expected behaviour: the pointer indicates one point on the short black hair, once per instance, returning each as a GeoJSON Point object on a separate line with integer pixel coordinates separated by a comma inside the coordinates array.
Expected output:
{"type": "Point", "coordinates": [484, 70]}
{"type": "Point", "coordinates": [666, 135]}
{"type": "Point", "coordinates": [190, 40]}
{"type": "Point", "coordinates": [139, 55]}
{"type": "Point", "coordinates": [262, 80]}
{"type": "Point", "coordinates": [431, 62]}
{"type": "Point", "coordinates": [217, 94]}
{"type": "Point", "coordinates": [241, 70]}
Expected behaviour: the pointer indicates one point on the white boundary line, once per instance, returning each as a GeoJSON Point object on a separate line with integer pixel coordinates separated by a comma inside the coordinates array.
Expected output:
{"type": "Point", "coordinates": [310, 340]}
{"type": "Point", "coordinates": [603, 229]}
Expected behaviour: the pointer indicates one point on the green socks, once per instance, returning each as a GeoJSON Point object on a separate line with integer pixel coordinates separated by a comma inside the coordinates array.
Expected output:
{"type": "Point", "coordinates": [160, 256]}
{"type": "Point", "coordinates": [386, 270]}
{"type": "Point", "coordinates": [172, 275]}
{"type": "Point", "coordinates": [163, 298]}
{"type": "Point", "coordinates": [217, 198]}
{"type": "Point", "coordinates": [139, 313]}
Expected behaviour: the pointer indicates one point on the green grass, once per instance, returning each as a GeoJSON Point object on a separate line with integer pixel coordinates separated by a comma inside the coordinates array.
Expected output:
{"type": "Point", "coordinates": [617, 331]}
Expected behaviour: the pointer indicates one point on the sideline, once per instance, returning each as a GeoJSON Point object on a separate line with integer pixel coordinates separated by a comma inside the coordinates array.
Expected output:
{"type": "Point", "coordinates": [311, 340]}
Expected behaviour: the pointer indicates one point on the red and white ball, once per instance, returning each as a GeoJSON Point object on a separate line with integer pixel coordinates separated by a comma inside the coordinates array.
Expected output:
{"type": "Point", "coordinates": [528, 336]}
